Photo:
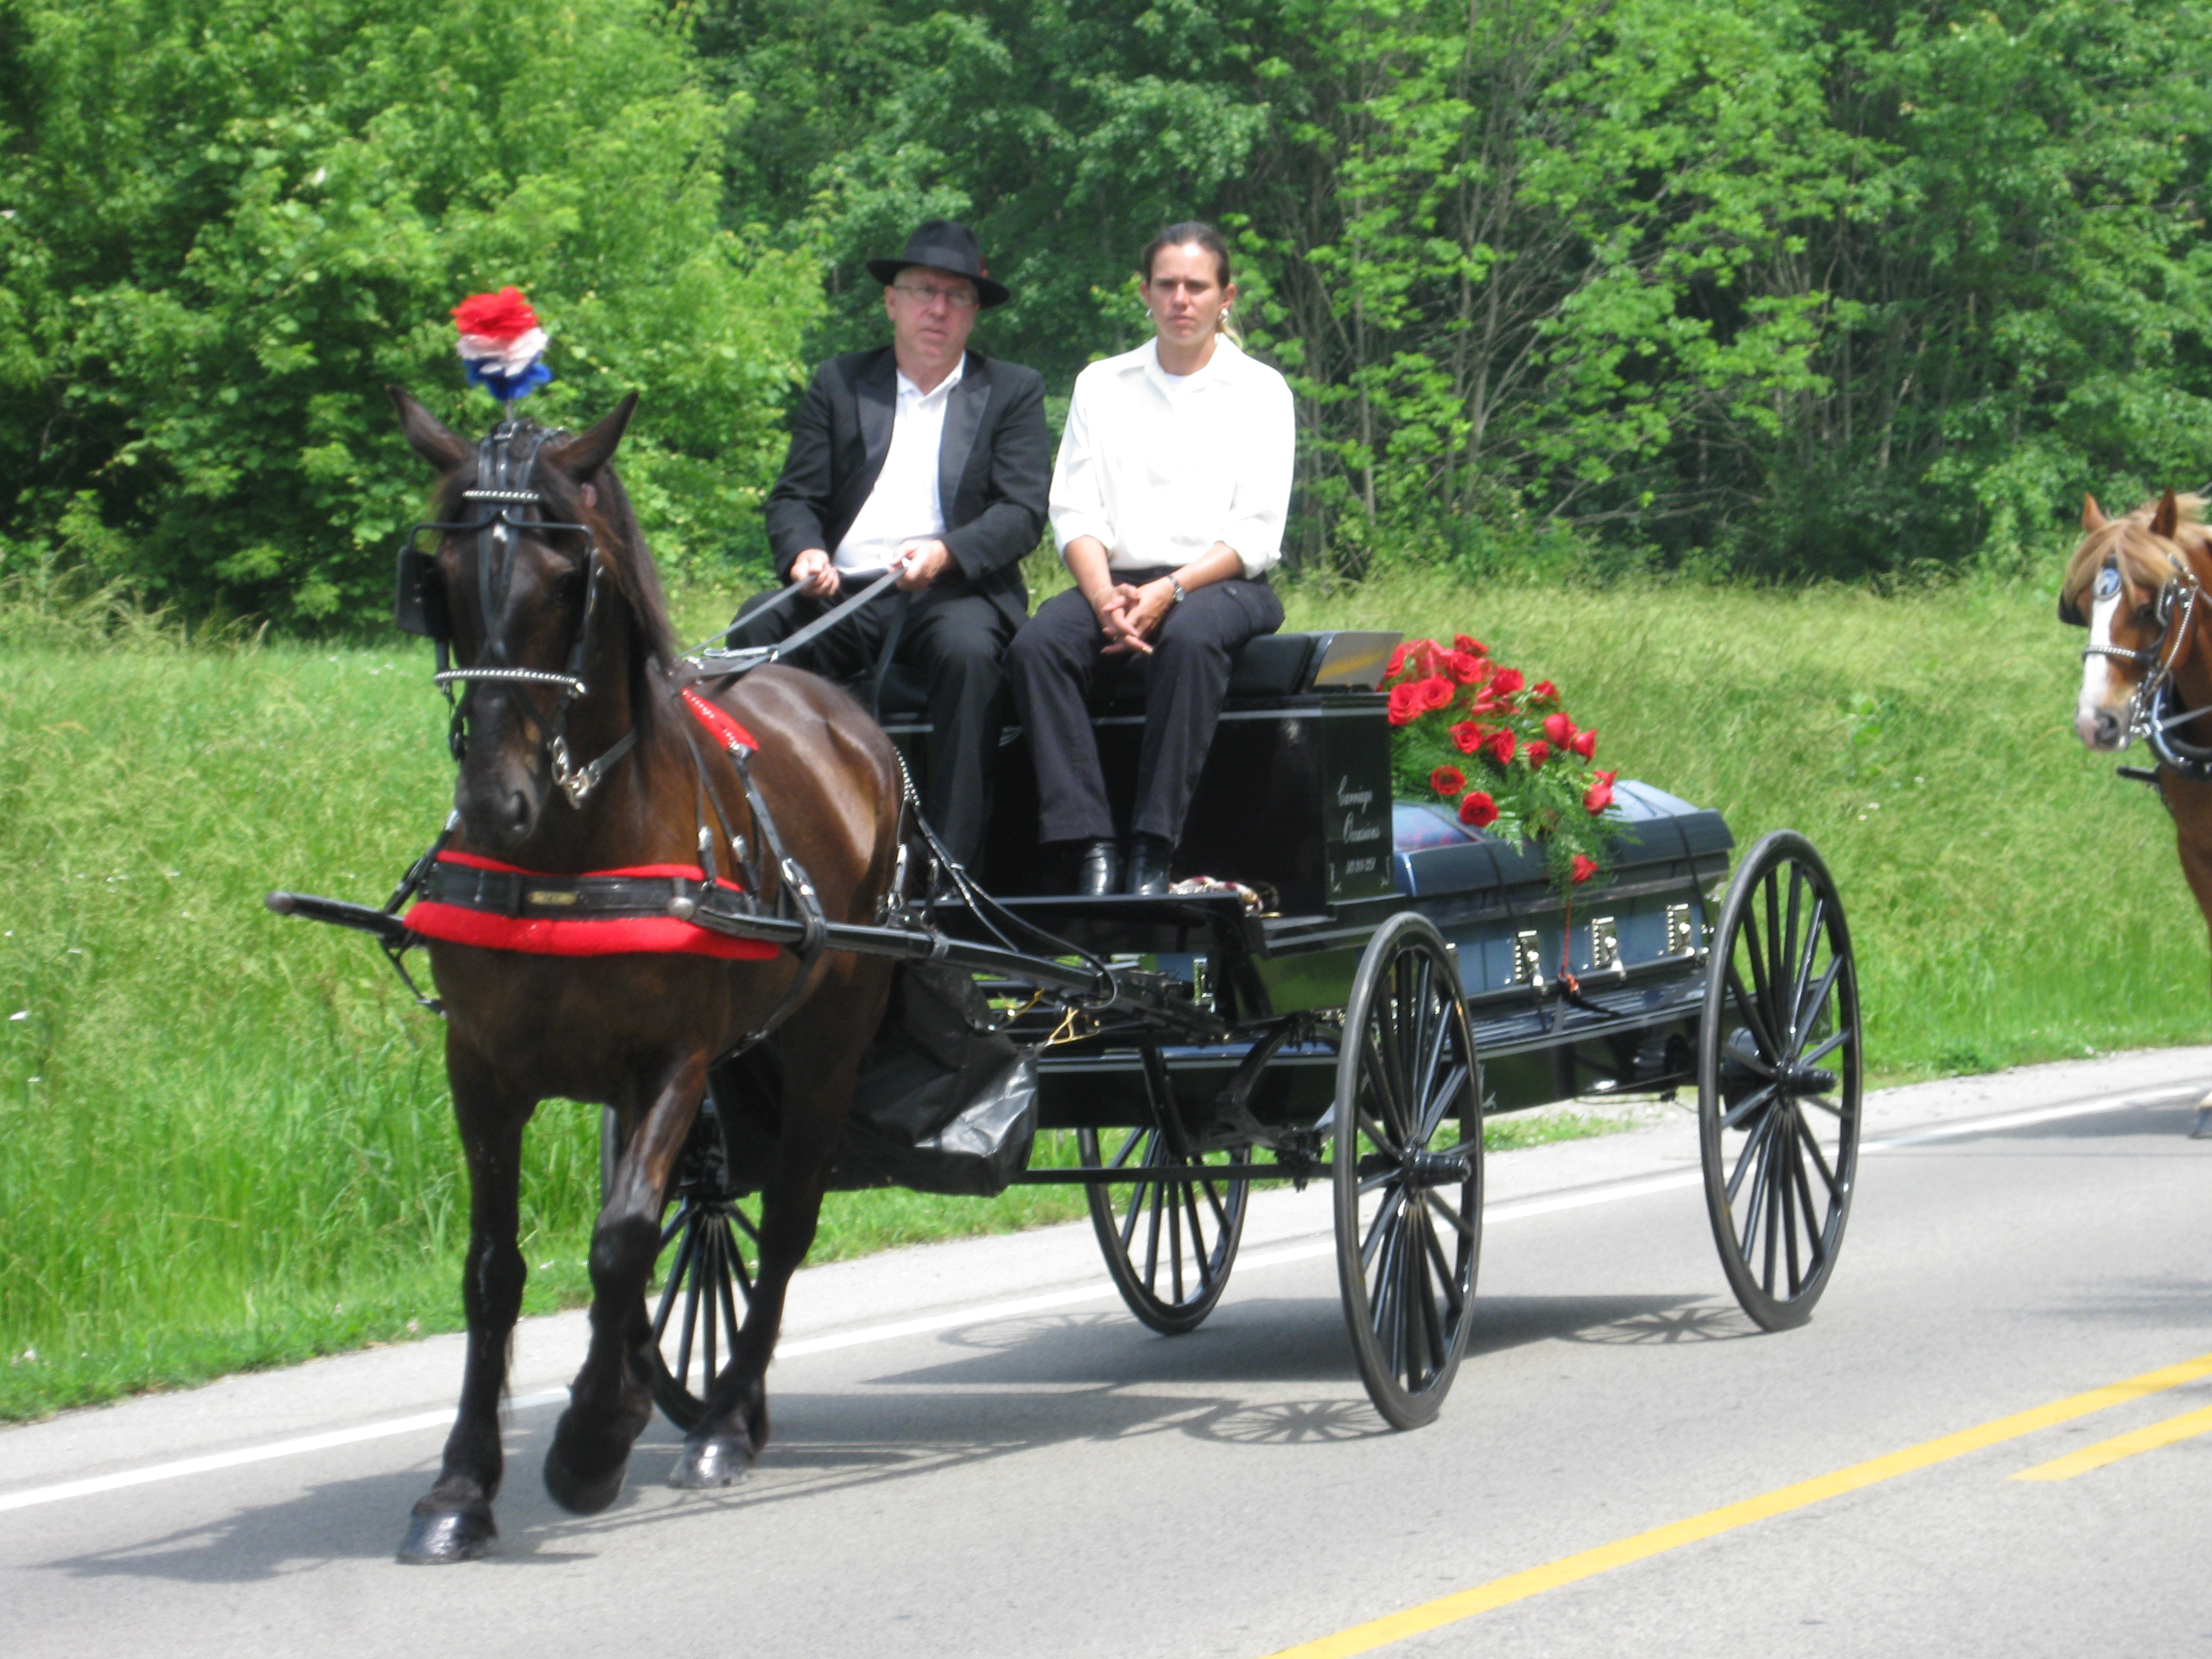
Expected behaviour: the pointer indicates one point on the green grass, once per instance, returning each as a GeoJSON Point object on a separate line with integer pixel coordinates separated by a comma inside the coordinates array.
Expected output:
{"type": "Point", "coordinates": [224, 1140]}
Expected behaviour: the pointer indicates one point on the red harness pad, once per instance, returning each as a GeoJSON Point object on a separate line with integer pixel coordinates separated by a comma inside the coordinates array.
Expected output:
{"type": "Point", "coordinates": [580, 936]}
{"type": "Point", "coordinates": [726, 731]}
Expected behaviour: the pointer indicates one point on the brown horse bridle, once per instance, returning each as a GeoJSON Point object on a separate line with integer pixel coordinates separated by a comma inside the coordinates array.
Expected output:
{"type": "Point", "coordinates": [2153, 715]}
{"type": "Point", "coordinates": [505, 461]}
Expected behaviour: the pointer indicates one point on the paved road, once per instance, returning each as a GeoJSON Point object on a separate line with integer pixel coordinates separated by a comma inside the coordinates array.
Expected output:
{"type": "Point", "coordinates": [978, 1452]}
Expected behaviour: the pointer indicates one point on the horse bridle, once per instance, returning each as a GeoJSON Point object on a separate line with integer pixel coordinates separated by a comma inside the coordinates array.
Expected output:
{"type": "Point", "coordinates": [2152, 713]}
{"type": "Point", "coordinates": [505, 462]}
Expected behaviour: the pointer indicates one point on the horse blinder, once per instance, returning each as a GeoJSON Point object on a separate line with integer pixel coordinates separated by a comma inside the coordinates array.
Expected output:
{"type": "Point", "coordinates": [418, 603]}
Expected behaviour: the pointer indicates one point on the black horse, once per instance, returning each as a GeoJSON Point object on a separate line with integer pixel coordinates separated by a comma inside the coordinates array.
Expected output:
{"type": "Point", "coordinates": [578, 755]}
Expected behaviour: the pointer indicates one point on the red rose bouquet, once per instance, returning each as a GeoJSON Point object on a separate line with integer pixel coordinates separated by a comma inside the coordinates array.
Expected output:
{"type": "Point", "coordinates": [1470, 733]}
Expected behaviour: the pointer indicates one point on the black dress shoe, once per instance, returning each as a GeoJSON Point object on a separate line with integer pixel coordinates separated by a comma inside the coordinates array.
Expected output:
{"type": "Point", "coordinates": [1148, 866]}
{"type": "Point", "coordinates": [1099, 870]}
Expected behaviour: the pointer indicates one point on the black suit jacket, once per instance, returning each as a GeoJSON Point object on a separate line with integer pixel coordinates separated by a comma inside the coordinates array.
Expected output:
{"type": "Point", "coordinates": [994, 469]}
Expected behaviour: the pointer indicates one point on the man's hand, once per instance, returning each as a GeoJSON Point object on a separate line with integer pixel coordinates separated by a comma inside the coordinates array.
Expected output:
{"type": "Point", "coordinates": [1112, 607]}
{"type": "Point", "coordinates": [921, 563]}
{"type": "Point", "coordinates": [814, 575]}
{"type": "Point", "coordinates": [1147, 608]}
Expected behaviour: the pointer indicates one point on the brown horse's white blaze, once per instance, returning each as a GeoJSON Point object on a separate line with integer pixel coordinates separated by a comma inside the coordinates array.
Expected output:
{"type": "Point", "coordinates": [2100, 715]}
{"type": "Point", "coordinates": [2114, 583]}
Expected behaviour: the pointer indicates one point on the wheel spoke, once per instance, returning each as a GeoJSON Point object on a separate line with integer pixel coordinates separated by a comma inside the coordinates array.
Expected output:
{"type": "Point", "coordinates": [1764, 1189]}
{"type": "Point", "coordinates": [1755, 1020]}
{"type": "Point", "coordinates": [1770, 892]}
{"type": "Point", "coordinates": [1801, 1017]}
{"type": "Point", "coordinates": [1220, 1215]}
{"type": "Point", "coordinates": [1452, 1217]}
{"type": "Point", "coordinates": [731, 1323]}
{"type": "Point", "coordinates": [1786, 946]}
{"type": "Point", "coordinates": [1136, 1208]}
{"type": "Point", "coordinates": [710, 1273]}
{"type": "Point", "coordinates": [1750, 1104]}
{"type": "Point", "coordinates": [1816, 1219]}
{"type": "Point", "coordinates": [1784, 1167]}
{"type": "Point", "coordinates": [690, 1318]}
{"type": "Point", "coordinates": [1129, 1145]}
{"type": "Point", "coordinates": [1432, 1115]}
{"type": "Point", "coordinates": [1755, 956]}
{"type": "Point", "coordinates": [1198, 1252]}
{"type": "Point", "coordinates": [1175, 1243]}
{"type": "Point", "coordinates": [1378, 1227]}
{"type": "Point", "coordinates": [1820, 1158]}
{"type": "Point", "coordinates": [1447, 1273]}
{"type": "Point", "coordinates": [1743, 1156]}
{"type": "Point", "coordinates": [673, 1283]}
{"type": "Point", "coordinates": [1828, 1046]}
{"type": "Point", "coordinates": [1817, 1004]}
{"type": "Point", "coordinates": [1388, 1138]}
{"type": "Point", "coordinates": [1152, 1240]}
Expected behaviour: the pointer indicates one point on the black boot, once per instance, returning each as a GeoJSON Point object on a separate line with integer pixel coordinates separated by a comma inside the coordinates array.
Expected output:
{"type": "Point", "coordinates": [1148, 865]}
{"type": "Point", "coordinates": [1099, 869]}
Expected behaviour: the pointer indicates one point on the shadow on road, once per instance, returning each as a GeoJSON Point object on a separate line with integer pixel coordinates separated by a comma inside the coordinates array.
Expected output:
{"type": "Point", "coordinates": [1000, 1387]}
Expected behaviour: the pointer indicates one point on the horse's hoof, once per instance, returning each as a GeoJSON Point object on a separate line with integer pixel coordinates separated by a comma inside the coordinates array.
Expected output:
{"type": "Point", "coordinates": [582, 1494]}
{"type": "Point", "coordinates": [2204, 1129]}
{"type": "Point", "coordinates": [444, 1535]}
{"type": "Point", "coordinates": [721, 1460]}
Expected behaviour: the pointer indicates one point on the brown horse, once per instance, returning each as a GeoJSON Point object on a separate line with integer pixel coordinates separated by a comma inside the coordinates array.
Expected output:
{"type": "Point", "coordinates": [524, 574]}
{"type": "Point", "coordinates": [2138, 584]}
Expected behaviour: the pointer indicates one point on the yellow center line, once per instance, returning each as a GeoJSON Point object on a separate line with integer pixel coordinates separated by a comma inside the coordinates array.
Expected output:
{"type": "Point", "coordinates": [2186, 1426]}
{"type": "Point", "coordinates": [1517, 1587]}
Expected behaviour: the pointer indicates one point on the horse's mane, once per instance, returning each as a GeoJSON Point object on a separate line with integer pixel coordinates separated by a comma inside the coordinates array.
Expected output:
{"type": "Point", "coordinates": [2145, 558]}
{"type": "Point", "coordinates": [636, 578]}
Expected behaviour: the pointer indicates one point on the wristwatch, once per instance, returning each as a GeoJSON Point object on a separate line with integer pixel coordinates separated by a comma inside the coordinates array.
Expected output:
{"type": "Point", "coordinates": [1180, 596]}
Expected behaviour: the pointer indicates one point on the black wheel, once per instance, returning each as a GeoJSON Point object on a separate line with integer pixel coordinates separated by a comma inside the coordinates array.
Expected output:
{"type": "Point", "coordinates": [1169, 1244]}
{"type": "Point", "coordinates": [709, 1247]}
{"type": "Point", "coordinates": [1407, 1126]}
{"type": "Point", "coordinates": [1779, 1079]}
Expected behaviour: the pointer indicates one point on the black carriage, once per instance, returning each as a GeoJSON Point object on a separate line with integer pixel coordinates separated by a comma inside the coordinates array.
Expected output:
{"type": "Point", "coordinates": [1364, 983]}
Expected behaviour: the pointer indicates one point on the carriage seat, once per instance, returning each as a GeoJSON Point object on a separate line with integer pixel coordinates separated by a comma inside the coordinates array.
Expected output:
{"type": "Point", "coordinates": [1269, 666]}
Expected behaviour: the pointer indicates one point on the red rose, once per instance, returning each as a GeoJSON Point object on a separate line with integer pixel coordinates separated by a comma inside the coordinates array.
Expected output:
{"type": "Point", "coordinates": [1473, 646]}
{"type": "Point", "coordinates": [1479, 809]}
{"type": "Point", "coordinates": [1436, 692]}
{"type": "Point", "coordinates": [1501, 745]}
{"type": "Point", "coordinates": [1583, 869]}
{"type": "Point", "coordinates": [1544, 692]}
{"type": "Point", "coordinates": [1559, 730]}
{"type": "Point", "coordinates": [1447, 779]}
{"type": "Point", "coordinates": [1585, 743]}
{"type": "Point", "coordinates": [1539, 751]}
{"type": "Point", "coordinates": [1507, 682]}
{"type": "Point", "coordinates": [1466, 668]}
{"type": "Point", "coordinates": [1397, 662]}
{"type": "Point", "coordinates": [1599, 796]}
{"type": "Point", "coordinates": [1405, 703]}
{"type": "Point", "coordinates": [1469, 736]}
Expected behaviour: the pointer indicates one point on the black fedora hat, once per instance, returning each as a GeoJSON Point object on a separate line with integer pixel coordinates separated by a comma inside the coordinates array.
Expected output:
{"type": "Point", "coordinates": [948, 246]}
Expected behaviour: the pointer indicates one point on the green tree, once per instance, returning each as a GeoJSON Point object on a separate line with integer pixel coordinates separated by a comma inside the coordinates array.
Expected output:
{"type": "Point", "coordinates": [230, 223]}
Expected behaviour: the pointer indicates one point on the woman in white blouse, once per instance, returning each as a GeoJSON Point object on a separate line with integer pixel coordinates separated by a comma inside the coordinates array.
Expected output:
{"type": "Point", "coordinates": [1167, 503]}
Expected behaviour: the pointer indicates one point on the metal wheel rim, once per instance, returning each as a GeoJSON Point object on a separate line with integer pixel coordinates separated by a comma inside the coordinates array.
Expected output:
{"type": "Point", "coordinates": [1408, 1116]}
{"type": "Point", "coordinates": [1779, 1150]}
{"type": "Point", "coordinates": [1169, 1245]}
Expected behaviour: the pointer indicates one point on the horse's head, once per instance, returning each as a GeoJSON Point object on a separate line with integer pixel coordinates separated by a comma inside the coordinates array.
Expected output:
{"type": "Point", "coordinates": [536, 554]}
{"type": "Point", "coordinates": [2127, 581]}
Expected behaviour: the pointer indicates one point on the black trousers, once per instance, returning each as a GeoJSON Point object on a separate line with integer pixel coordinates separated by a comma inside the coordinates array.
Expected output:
{"type": "Point", "coordinates": [1051, 667]}
{"type": "Point", "coordinates": [957, 643]}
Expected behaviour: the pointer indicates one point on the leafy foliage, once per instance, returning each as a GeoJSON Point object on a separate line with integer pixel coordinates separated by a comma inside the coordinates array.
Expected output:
{"type": "Point", "coordinates": [231, 223]}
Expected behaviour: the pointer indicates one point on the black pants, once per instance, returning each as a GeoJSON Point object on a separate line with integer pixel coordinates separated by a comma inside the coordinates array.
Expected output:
{"type": "Point", "coordinates": [957, 643]}
{"type": "Point", "coordinates": [1051, 669]}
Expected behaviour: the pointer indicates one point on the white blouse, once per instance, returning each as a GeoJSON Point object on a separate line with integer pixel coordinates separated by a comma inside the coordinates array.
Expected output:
{"type": "Point", "coordinates": [1159, 467]}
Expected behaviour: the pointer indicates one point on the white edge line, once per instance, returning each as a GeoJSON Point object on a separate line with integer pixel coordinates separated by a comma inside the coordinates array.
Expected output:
{"type": "Point", "coordinates": [1510, 1209]}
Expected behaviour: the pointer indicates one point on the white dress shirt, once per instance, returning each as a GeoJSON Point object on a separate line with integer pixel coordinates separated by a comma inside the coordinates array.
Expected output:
{"type": "Point", "coordinates": [1161, 466]}
{"type": "Point", "coordinates": [903, 506]}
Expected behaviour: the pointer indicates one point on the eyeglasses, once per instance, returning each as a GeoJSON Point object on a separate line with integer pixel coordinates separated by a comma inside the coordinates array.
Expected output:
{"type": "Point", "coordinates": [925, 293]}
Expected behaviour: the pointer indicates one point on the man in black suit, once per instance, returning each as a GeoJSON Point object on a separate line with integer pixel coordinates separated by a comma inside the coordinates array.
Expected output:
{"type": "Point", "coordinates": [932, 459]}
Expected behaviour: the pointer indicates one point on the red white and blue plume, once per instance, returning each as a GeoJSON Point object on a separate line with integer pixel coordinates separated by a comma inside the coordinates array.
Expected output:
{"type": "Point", "coordinates": [501, 343]}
